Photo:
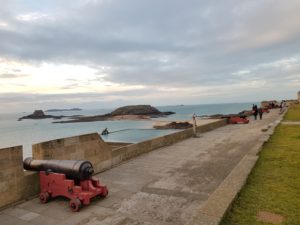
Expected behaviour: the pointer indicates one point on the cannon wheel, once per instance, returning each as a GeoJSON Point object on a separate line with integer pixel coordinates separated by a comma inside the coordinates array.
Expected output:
{"type": "Point", "coordinates": [75, 204]}
{"type": "Point", "coordinates": [104, 193]}
{"type": "Point", "coordinates": [44, 197]}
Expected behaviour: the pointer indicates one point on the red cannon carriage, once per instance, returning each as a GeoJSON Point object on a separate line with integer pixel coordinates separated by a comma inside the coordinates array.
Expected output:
{"type": "Point", "coordinates": [69, 178]}
{"type": "Point", "coordinates": [238, 120]}
{"type": "Point", "coordinates": [266, 110]}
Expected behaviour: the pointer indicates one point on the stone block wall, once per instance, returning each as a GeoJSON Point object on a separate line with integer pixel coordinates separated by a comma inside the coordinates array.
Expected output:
{"type": "Point", "coordinates": [15, 183]}
{"type": "Point", "coordinates": [212, 126]}
{"type": "Point", "coordinates": [88, 147]}
{"type": "Point", "coordinates": [115, 145]}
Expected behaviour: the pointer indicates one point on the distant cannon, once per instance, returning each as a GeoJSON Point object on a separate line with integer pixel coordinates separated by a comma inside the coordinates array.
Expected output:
{"type": "Point", "coordinates": [238, 120]}
{"type": "Point", "coordinates": [73, 169]}
{"type": "Point", "coordinates": [69, 178]}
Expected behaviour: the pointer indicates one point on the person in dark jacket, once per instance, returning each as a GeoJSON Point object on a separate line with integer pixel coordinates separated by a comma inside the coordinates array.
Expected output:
{"type": "Point", "coordinates": [255, 111]}
{"type": "Point", "coordinates": [260, 112]}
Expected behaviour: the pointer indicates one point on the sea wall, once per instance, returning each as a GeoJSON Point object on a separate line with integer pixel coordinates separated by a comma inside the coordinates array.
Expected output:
{"type": "Point", "coordinates": [17, 184]}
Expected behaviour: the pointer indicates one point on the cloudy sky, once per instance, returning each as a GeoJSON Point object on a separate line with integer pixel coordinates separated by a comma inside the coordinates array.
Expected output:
{"type": "Point", "coordinates": [108, 53]}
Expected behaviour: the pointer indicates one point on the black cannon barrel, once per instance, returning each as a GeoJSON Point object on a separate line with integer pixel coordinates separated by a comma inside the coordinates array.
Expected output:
{"type": "Point", "coordinates": [73, 169]}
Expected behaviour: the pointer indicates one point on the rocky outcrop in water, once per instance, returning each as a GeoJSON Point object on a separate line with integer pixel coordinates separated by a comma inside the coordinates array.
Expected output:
{"type": "Point", "coordinates": [175, 125]}
{"type": "Point", "coordinates": [131, 112]}
{"type": "Point", "coordinates": [139, 110]}
{"type": "Point", "coordinates": [39, 114]}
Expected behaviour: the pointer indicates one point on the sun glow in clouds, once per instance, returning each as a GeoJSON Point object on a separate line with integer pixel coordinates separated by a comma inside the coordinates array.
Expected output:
{"type": "Point", "coordinates": [33, 16]}
{"type": "Point", "coordinates": [52, 78]}
{"type": "Point", "coordinates": [46, 78]}
{"type": "Point", "coordinates": [3, 24]}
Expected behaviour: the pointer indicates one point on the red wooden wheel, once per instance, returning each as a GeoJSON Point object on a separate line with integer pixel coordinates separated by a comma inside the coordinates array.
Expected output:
{"type": "Point", "coordinates": [104, 193]}
{"type": "Point", "coordinates": [75, 204]}
{"type": "Point", "coordinates": [44, 197]}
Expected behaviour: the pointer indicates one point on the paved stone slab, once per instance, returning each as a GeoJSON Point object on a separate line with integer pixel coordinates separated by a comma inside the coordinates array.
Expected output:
{"type": "Point", "coordinates": [45, 220]}
{"type": "Point", "coordinates": [29, 216]}
{"type": "Point", "coordinates": [11, 220]}
{"type": "Point", "coordinates": [77, 218]}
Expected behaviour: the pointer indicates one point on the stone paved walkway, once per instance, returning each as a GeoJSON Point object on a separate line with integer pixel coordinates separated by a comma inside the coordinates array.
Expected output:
{"type": "Point", "coordinates": [164, 187]}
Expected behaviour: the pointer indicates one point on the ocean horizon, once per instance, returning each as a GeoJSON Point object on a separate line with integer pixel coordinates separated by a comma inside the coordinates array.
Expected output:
{"type": "Point", "coordinates": [28, 132]}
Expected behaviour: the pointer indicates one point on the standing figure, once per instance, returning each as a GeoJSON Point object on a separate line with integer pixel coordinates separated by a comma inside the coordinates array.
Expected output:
{"type": "Point", "coordinates": [255, 111]}
{"type": "Point", "coordinates": [282, 106]}
{"type": "Point", "coordinates": [194, 125]}
{"type": "Point", "coordinates": [260, 112]}
{"type": "Point", "coordinates": [281, 103]}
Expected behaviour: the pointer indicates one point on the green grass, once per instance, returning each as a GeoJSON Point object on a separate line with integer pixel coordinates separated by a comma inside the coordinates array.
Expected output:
{"type": "Point", "coordinates": [274, 183]}
{"type": "Point", "coordinates": [293, 113]}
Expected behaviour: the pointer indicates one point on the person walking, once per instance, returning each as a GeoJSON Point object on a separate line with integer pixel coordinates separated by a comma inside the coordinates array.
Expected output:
{"type": "Point", "coordinates": [255, 111]}
{"type": "Point", "coordinates": [282, 106]}
{"type": "Point", "coordinates": [260, 112]}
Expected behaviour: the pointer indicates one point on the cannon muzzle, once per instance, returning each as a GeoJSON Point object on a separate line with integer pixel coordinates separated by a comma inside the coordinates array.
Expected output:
{"type": "Point", "coordinates": [73, 169]}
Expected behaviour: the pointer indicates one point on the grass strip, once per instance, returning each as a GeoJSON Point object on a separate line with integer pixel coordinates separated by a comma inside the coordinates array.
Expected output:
{"type": "Point", "coordinates": [293, 113]}
{"type": "Point", "coordinates": [274, 183]}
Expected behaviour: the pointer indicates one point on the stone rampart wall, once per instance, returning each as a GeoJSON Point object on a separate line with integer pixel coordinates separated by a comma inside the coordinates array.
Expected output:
{"type": "Point", "coordinates": [15, 183]}
{"type": "Point", "coordinates": [89, 147]}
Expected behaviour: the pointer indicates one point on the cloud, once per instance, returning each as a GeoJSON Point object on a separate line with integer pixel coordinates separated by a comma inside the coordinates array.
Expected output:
{"type": "Point", "coordinates": [11, 76]}
{"type": "Point", "coordinates": [33, 17]}
{"type": "Point", "coordinates": [160, 45]}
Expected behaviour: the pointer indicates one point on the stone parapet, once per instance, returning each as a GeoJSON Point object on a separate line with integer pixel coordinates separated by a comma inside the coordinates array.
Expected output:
{"type": "Point", "coordinates": [15, 183]}
{"type": "Point", "coordinates": [88, 147]}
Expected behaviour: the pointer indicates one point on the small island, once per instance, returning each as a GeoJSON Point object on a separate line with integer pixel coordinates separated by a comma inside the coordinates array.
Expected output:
{"type": "Point", "coordinates": [130, 112]}
{"type": "Point", "coordinates": [61, 110]}
{"type": "Point", "coordinates": [39, 114]}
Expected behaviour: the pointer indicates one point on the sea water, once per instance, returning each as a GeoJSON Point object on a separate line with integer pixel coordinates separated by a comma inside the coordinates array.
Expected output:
{"type": "Point", "coordinates": [28, 132]}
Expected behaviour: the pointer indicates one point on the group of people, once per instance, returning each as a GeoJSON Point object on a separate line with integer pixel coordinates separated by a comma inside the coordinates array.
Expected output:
{"type": "Point", "coordinates": [257, 111]}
